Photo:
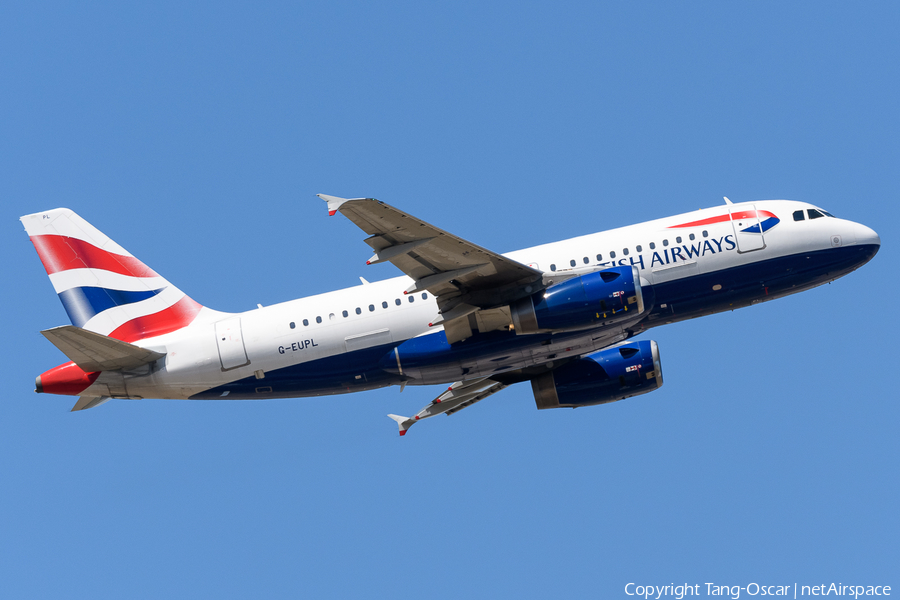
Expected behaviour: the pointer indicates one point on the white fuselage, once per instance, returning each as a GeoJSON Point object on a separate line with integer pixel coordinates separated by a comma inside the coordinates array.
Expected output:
{"type": "Point", "coordinates": [314, 333]}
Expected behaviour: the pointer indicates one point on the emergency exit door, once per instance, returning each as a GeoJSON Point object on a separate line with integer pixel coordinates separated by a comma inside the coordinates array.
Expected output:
{"type": "Point", "coordinates": [232, 353]}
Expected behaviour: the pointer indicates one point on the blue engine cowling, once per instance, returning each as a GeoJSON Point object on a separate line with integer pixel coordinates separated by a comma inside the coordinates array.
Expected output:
{"type": "Point", "coordinates": [605, 376]}
{"type": "Point", "coordinates": [583, 302]}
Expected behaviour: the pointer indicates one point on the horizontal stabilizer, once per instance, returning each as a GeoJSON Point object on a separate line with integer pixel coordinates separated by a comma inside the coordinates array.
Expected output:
{"type": "Point", "coordinates": [86, 402]}
{"type": "Point", "coordinates": [95, 352]}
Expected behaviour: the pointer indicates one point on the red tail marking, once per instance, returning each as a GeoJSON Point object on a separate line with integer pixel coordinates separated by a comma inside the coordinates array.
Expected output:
{"type": "Point", "coordinates": [60, 253]}
{"type": "Point", "coordinates": [179, 315]}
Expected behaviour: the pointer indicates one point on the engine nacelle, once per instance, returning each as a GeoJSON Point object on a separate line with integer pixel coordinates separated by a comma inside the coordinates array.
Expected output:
{"type": "Point", "coordinates": [605, 376]}
{"type": "Point", "coordinates": [583, 302]}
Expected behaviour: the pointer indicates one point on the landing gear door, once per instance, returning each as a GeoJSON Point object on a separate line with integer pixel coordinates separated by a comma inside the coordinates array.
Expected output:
{"type": "Point", "coordinates": [232, 353]}
{"type": "Point", "coordinates": [747, 228]}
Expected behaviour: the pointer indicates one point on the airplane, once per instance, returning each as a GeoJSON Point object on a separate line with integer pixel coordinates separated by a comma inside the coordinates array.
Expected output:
{"type": "Point", "coordinates": [560, 316]}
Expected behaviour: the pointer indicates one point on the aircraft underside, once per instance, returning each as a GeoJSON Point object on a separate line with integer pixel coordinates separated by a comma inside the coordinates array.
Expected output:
{"type": "Point", "coordinates": [429, 359]}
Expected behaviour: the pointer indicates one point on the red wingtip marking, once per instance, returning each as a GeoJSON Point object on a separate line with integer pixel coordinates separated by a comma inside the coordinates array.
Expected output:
{"type": "Point", "coordinates": [402, 432]}
{"type": "Point", "coordinates": [405, 293]}
{"type": "Point", "coordinates": [417, 417]}
{"type": "Point", "coordinates": [431, 324]}
{"type": "Point", "coordinates": [368, 263]}
{"type": "Point", "coordinates": [437, 401]}
{"type": "Point", "coordinates": [331, 214]}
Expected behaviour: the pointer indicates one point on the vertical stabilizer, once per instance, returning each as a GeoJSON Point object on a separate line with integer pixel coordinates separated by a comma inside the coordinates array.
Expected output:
{"type": "Point", "coordinates": [103, 287]}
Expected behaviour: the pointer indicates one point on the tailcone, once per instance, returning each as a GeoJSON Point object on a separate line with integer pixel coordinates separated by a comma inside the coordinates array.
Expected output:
{"type": "Point", "coordinates": [65, 380]}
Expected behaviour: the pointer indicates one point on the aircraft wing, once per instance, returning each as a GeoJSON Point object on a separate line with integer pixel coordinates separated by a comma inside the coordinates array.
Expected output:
{"type": "Point", "coordinates": [463, 394]}
{"type": "Point", "coordinates": [464, 277]}
{"type": "Point", "coordinates": [457, 397]}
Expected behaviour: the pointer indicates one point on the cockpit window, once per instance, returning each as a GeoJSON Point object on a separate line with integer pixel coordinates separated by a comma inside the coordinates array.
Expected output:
{"type": "Point", "coordinates": [798, 215]}
{"type": "Point", "coordinates": [814, 214]}
{"type": "Point", "coordinates": [827, 214]}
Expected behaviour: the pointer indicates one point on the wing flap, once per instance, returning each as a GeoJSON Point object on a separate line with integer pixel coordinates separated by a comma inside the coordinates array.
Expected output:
{"type": "Point", "coordinates": [96, 352]}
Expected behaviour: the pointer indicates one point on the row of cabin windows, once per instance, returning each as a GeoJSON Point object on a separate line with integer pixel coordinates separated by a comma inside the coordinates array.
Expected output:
{"type": "Point", "coordinates": [625, 251]}
{"type": "Point", "coordinates": [813, 214]}
{"type": "Point", "coordinates": [411, 298]}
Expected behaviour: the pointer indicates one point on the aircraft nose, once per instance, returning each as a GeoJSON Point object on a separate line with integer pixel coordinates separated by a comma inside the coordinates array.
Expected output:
{"type": "Point", "coordinates": [867, 241]}
{"type": "Point", "coordinates": [866, 236]}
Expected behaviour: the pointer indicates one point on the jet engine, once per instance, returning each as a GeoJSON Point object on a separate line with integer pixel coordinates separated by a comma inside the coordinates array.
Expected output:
{"type": "Point", "coordinates": [612, 374]}
{"type": "Point", "coordinates": [583, 302]}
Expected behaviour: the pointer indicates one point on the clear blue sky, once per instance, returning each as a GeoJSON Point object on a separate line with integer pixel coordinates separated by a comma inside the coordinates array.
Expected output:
{"type": "Point", "coordinates": [197, 135]}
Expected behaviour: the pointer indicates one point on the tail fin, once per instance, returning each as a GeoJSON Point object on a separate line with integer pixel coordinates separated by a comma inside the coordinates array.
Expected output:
{"type": "Point", "coordinates": [103, 288]}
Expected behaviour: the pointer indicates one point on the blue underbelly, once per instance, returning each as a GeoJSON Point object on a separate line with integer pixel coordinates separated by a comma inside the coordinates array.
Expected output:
{"type": "Point", "coordinates": [676, 300]}
{"type": "Point", "coordinates": [747, 284]}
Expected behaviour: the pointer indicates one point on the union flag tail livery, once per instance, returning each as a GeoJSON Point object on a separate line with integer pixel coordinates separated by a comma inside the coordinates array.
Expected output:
{"type": "Point", "coordinates": [112, 299]}
{"type": "Point", "coordinates": [103, 287]}
{"type": "Point", "coordinates": [559, 316]}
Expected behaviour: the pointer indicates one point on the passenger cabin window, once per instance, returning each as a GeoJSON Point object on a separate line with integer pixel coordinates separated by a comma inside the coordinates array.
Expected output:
{"type": "Point", "coordinates": [371, 308]}
{"type": "Point", "coordinates": [665, 242]}
{"type": "Point", "coordinates": [625, 251]}
{"type": "Point", "coordinates": [318, 319]}
{"type": "Point", "coordinates": [293, 324]}
{"type": "Point", "coordinates": [814, 214]}
{"type": "Point", "coordinates": [798, 215]}
{"type": "Point", "coordinates": [345, 313]}
{"type": "Point", "coordinates": [639, 248]}
{"type": "Point", "coordinates": [424, 296]}
{"type": "Point", "coordinates": [691, 237]}
{"type": "Point", "coordinates": [552, 267]}
{"type": "Point", "coordinates": [586, 260]}
{"type": "Point", "coordinates": [306, 322]}
{"type": "Point", "coordinates": [572, 263]}
{"type": "Point", "coordinates": [705, 233]}
{"type": "Point", "coordinates": [678, 240]}
{"type": "Point", "coordinates": [599, 258]}
{"type": "Point", "coordinates": [384, 305]}
{"type": "Point", "coordinates": [653, 245]}
{"type": "Point", "coordinates": [397, 301]}
{"type": "Point", "coordinates": [411, 299]}
{"type": "Point", "coordinates": [612, 254]}
{"type": "Point", "coordinates": [358, 310]}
